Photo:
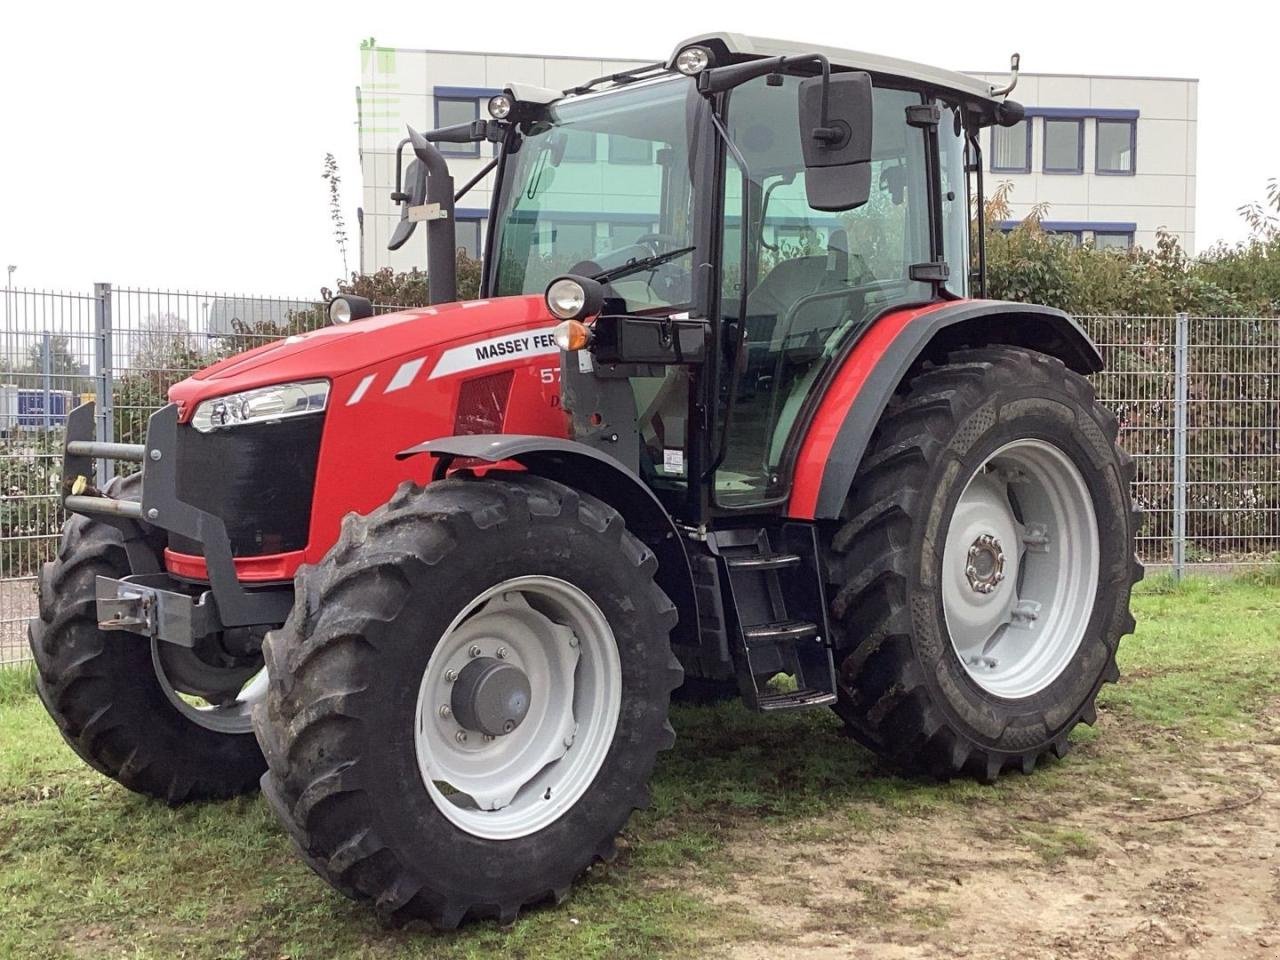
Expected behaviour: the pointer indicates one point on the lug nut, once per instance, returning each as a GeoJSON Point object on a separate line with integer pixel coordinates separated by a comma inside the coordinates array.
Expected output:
{"type": "Point", "coordinates": [445, 711]}
{"type": "Point", "coordinates": [475, 650]}
{"type": "Point", "coordinates": [502, 653]}
{"type": "Point", "coordinates": [489, 738]}
{"type": "Point", "coordinates": [451, 675]}
{"type": "Point", "coordinates": [461, 736]}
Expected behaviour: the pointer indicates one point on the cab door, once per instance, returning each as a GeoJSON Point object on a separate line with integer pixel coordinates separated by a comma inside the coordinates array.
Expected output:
{"type": "Point", "coordinates": [805, 282]}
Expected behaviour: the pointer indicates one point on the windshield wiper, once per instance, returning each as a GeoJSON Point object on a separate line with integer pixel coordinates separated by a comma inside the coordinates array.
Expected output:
{"type": "Point", "coordinates": [638, 266]}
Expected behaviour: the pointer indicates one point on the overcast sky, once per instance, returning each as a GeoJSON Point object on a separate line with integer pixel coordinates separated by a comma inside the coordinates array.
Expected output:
{"type": "Point", "coordinates": [180, 145]}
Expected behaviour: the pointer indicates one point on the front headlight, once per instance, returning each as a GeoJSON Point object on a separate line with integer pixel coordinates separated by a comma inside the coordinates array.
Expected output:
{"type": "Point", "coordinates": [261, 405]}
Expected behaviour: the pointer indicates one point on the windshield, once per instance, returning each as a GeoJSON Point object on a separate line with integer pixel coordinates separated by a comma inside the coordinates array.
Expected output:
{"type": "Point", "coordinates": [603, 187]}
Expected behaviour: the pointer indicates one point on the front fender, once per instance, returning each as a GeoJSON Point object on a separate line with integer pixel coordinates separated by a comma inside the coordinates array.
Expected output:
{"type": "Point", "coordinates": [591, 471]}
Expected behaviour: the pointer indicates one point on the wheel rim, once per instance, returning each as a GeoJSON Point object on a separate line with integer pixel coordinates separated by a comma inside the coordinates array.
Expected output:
{"type": "Point", "coordinates": [1020, 569]}
{"type": "Point", "coordinates": [232, 715]}
{"type": "Point", "coordinates": [517, 779]}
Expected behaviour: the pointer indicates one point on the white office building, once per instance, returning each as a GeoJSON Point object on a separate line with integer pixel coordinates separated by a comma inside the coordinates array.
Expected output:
{"type": "Point", "coordinates": [1112, 158]}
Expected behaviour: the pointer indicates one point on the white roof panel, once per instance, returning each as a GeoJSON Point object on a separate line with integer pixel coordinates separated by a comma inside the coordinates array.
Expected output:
{"type": "Point", "coordinates": [871, 62]}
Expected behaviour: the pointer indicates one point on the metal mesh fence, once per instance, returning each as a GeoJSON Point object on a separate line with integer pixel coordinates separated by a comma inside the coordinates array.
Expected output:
{"type": "Point", "coordinates": [1198, 401]}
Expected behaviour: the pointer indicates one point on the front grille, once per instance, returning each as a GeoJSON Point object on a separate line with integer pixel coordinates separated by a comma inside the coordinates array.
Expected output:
{"type": "Point", "coordinates": [259, 478]}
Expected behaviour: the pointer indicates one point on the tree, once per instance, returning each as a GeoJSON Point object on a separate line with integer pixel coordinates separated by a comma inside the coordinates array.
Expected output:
{"type": "Point", "coordinates": [330, 174]}
{"type": "Point", "coordinates": [164, 342]}
{"type": "Point", "coordinates": [410, 288]}
{"type": "Point", "coordinates": [62, 359]}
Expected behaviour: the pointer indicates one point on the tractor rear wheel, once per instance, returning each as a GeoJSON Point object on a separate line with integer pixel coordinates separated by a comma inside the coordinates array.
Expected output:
{"type": "Point", "coordinates": [119, 700]}
{"type": "Point", "coordinates": [466, 704]}
{"type": "Point", "coordinates": [984, 566]}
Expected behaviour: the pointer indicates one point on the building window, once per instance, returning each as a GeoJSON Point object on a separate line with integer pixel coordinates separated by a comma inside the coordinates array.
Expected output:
{"type": "Point", "coordinates": [1063, 146]}
{"type": "Point", "coordinates": [579, 146]}
{"type": "Point", "coordinates": [1116, 142]}
{"type": "Point", "coordinates": [1072, 238]}
{"type": "Point", "coordinates": [1011, 148]}
{"type": "Point", "coordinates": [625, 234]}
{"type": "Point", "coordinates": [1112, 241]}
{"type": "Point", "coordinates": [454, 110]}
{"type": "Point", "coordinates": [630, 150]}
{"type": "Point", "coordinates": [467, 238]}
{"type": "Point", "coordinates": [574, 241]}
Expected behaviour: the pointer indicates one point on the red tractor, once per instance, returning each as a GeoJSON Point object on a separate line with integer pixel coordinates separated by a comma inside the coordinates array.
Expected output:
{"type": "Point", "coordinates": [731, 415]}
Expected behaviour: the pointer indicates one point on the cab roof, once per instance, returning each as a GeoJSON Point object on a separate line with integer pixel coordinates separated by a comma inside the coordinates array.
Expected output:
{"type": "Point", "coordinates": [740, 45]}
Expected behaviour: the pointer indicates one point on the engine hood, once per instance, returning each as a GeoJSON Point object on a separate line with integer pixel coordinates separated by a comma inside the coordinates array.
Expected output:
{"type": "Point", "coordinates": [334, 352]}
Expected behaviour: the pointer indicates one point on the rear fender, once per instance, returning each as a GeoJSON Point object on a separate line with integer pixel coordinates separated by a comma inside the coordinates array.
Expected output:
{"type": "Point", "coordinates": [591, 471]}
{"type": "Point", "coordinates": [867, 378]}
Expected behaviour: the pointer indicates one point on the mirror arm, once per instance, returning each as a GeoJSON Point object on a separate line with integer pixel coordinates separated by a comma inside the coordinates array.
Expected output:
{"type": "Point", "coordinates": [484, 172]}
{"type": "Point", "coordinates": [399, 196]}
{"type": "Point", "coordinates": [824, 132]}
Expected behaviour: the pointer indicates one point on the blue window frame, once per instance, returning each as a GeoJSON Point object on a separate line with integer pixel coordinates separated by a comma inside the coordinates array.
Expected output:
{"type": "Point", "coordinates": [1064, 145]}
{"type": "Point", "coordinates": [451, 110]}
{"type": "Point", "coordinates": [1116, 147]}
{"type": "Point", "coordinates": [1011, 148]}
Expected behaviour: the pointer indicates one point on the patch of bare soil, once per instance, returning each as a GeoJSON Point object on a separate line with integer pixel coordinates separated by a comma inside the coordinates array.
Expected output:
{"type": "Point", "coordinates": [1097, 868]}
{"type": "Point", "coordinates": [17, 603]}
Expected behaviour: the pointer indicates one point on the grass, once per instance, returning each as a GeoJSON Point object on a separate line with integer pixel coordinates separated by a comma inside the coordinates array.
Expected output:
{"type": "Point", "coordinates": [87, 869]}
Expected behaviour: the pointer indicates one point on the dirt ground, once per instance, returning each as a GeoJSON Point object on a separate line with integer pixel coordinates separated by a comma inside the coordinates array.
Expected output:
{"type": "Point", "coordinates": [17, 602]}
{"type": "Point", "coordinates": [1099, 871]}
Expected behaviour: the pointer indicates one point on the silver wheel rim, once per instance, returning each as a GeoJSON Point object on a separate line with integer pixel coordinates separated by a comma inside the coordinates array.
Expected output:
{"type": "Point", "coordinates": [233, 716]}
{"type": "Point", "coordinates": [508, 785]}
{"type": "Point", "coordinates": [1020, 569]}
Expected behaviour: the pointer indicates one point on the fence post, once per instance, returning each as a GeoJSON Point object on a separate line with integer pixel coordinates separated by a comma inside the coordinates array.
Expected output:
{"type": "Point", "coordinates": [1180, 355]}
{"type": "Point", "coordinates": [105, 427]}
{"type": "Point", "coordinates": [46, 378]}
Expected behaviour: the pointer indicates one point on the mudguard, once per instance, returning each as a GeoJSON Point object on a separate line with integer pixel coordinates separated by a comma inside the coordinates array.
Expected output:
{"type": "Point", "coordinates": [865, 380]}
{"type": "Point", "coordinates": [584, 468]}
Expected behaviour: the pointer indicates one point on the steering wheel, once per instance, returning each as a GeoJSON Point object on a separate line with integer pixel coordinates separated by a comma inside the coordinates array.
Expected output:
{"type": "Point", "coordinates": [658, 242]}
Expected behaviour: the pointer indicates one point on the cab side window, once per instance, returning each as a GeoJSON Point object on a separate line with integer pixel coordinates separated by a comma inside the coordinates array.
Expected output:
{"type": "Point", "coordinates": [812, 278]}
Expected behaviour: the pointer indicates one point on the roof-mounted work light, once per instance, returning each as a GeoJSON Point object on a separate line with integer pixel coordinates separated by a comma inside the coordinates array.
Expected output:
{"type": "Point", "coordinates": [691, 61]}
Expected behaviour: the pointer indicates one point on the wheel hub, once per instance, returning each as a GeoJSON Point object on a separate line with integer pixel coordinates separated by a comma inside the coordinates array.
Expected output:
{"type": "Point", "coordinates": [517, 707]}
{"type": "Point", "coordinates": [984, 568]}
{"type": "Point", "coordinates": [490, 697]}
{"type": "Point", "coordinates": [1020, 568]}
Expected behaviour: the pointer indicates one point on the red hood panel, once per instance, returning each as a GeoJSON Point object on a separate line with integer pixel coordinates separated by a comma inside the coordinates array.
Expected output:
{"type": "Point", "coordinates": [332, 352]}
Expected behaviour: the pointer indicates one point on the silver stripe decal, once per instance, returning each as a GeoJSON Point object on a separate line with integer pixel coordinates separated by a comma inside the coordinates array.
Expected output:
{"type": "Point", "coordinates": [505, 348]}
{"type": "Point", "coordinates": [404, 376]}
{"type": "Point", "coordinates": [358, 395]}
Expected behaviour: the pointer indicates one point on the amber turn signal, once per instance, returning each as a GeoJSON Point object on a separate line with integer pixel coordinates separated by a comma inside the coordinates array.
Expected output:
{"type": "Point", "coordinates": [572, 335]}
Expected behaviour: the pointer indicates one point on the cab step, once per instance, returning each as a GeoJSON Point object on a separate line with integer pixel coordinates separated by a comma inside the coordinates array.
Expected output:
{"type": "Point", "coordinates": [776, 616]}
{"type": "Point", "coordinates": [783, 631]}
{"type": "Point", "coordinates": [795, 700]}
{"type": "Point", "coordinates": [779, 561]}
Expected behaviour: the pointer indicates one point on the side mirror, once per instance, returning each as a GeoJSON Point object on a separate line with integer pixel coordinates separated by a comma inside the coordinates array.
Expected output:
{"type": "Point", "coordinates": [416, 176]}
{"type": "Point", "coordinates": [835, 136]}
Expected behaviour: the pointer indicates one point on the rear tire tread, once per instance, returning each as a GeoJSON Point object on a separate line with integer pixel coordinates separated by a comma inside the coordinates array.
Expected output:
{"type": "Point", "coordinates": [879, 676]}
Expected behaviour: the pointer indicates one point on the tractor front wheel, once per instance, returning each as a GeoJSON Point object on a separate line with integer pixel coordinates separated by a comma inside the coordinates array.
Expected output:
{"type": "Point", "coordinates": [466, 703]}
{"type": "Point", "coordinates": [984, 567]}
{"type": "Point", "coordinates": [151, 715]}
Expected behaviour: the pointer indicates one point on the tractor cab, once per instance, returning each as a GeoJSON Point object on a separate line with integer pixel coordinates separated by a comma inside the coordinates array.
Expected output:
{"type": "Point", "coordinates": [730, 417]}
{"type": "Point", "coordinates": [741, 213]}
